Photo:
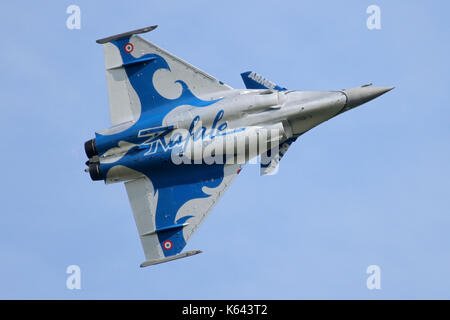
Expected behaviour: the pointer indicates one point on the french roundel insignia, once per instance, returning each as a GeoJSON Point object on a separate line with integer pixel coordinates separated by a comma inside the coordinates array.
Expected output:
{"type": "Point", "coordinates": [167, 245]}
{"type": "Point", "coordinates": [128, 47]}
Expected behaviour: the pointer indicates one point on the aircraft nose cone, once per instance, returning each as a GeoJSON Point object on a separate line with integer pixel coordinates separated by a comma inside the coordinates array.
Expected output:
{"type": "Point", "coordinates": [358, 96]}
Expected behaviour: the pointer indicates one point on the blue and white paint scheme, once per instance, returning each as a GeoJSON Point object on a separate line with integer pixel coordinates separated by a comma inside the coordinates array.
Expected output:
{"type": "Point", "coordinates": [160, 106]}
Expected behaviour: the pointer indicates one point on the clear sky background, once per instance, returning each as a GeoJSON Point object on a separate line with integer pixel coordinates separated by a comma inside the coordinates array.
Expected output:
{"type": "Point", "coordinates": [370, 187]}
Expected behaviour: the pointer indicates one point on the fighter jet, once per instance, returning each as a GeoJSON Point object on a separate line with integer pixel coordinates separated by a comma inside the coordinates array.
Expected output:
{"type": "Point", "coordinates": [164, 110]}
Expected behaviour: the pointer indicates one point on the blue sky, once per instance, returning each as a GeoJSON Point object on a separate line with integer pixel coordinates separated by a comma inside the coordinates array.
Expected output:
{"type": "Point", "coordinates": [371, 186]}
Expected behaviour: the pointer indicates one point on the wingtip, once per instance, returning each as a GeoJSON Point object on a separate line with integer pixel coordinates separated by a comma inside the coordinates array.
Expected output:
{"type": "Point", "coordinates": [170, 258]}
{"type": "Point", "coordinates": [126, 34]}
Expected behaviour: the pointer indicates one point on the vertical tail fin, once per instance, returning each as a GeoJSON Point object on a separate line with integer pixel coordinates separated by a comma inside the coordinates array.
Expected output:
{"type": "Point", "coordinates": [252, 80]}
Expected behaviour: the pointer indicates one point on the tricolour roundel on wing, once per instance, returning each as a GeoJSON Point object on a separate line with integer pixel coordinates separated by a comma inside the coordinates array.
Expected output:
{"type": "Point", "coordinates": [167, 245]}
{"type": "Point", "coordinates": [128, 47]}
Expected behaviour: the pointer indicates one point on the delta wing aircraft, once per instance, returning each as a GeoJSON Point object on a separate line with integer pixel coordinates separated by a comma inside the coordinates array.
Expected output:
{"type": "Point", "coordinates": [162, 107]}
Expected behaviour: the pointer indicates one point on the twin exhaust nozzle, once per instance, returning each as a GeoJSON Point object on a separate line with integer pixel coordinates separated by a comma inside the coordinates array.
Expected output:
{"type": "Point", "coordinates": [93, 162]}
{"type": "Point", "coordinates": [90, 149]}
